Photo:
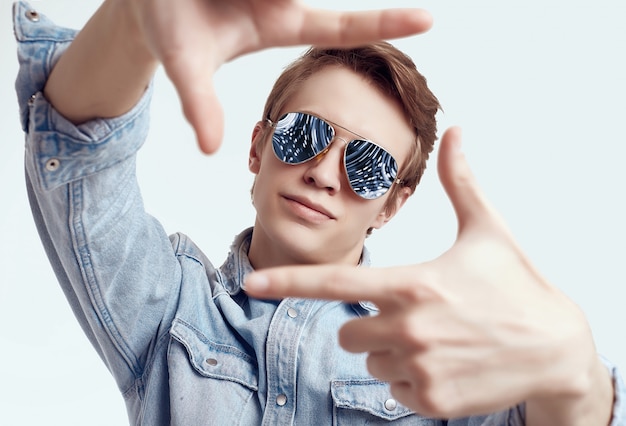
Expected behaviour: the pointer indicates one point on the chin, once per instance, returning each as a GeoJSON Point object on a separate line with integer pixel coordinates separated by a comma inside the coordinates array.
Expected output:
{"type": "Point", "coordinates": [305, 246]}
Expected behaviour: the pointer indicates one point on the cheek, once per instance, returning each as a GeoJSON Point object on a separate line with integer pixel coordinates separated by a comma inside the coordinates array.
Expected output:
{"type": "Point", "coordinates": [364, 212]}
{"type": "Point", "coordinates": [272, 173]}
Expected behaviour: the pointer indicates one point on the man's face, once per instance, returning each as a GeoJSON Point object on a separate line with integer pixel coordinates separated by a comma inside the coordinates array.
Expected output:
{"type": "Point", "coordinates": [308, 213]}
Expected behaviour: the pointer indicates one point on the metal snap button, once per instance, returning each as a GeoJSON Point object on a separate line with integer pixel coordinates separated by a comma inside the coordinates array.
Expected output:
{"type": "Point", "coordinates": [211, 361]}
{"type": "Point", "coordinates": [281, 399]}
{"type": "Point", "coordinates": [31, 100]}
{"type": "Point", "coordinates": [391, 404]}
{"type": "Point", "coordinates": [53, 164]}
{"type": "Point", "coordinates": [32, 15]}
{"type": "Point", "coordinates": [292, 313]}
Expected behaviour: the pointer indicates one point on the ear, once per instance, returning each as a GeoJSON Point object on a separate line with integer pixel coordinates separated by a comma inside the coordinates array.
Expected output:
{"type": "Point", "coordinates": [391, 207]}
{"type": "Point", "coordinates": [254, 157]}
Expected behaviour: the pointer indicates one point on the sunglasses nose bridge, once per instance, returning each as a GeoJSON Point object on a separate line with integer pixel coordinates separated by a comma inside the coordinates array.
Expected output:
{"type": "Point", "coordinates": [325, 151]}
{"type": "Point", "coordinates": [344, 140]}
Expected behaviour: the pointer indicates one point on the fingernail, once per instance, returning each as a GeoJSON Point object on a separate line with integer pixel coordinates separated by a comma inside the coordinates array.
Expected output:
{"type": "Point", "coordinates": [256, 282]}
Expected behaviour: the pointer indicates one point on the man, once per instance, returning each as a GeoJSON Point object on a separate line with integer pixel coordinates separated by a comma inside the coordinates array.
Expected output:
{"type": "Point", "coordinates": [182, 351]}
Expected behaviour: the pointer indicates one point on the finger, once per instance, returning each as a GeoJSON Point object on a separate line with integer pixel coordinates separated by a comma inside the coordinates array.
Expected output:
{"type": "Point", "coordinates": [323, 27]}
{"type": "Point", "coordinates": [193, 82]}
{"type": "Point", "coordinates": [204, 112]}
{"type": "Point", "coordinates": [330, 282]}
{"type": "Point", "coordinates": [365, 335]}
{"type": "Point", "coordinates": [411, 395]}
{"type": "Point", "coordinates": [468, 200]}
{"type": "Point", "coordinates": [387, 366]}
{"type": "Point", "coordinates": [395, 330]}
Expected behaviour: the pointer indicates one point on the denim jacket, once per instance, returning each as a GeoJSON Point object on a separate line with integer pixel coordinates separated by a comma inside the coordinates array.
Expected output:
{"type": "Point", "coordinates": [184, 343]}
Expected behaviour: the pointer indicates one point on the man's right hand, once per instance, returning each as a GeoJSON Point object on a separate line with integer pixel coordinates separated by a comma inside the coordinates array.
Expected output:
{"type": "Point", "coordinates": [193, 38]}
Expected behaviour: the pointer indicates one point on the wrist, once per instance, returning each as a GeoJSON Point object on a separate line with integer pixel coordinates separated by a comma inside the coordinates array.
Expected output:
{"type": "Point", "coordinates": [123, 21]}
{"type": "Point", "coordinates": [128, 15]}
{"type": "Point", "coordinates": [587, 398]}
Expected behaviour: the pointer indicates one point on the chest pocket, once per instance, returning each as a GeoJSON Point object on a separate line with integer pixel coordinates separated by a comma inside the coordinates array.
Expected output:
{"type": "Point", "coordinates": [215, 360]}
{"type": "Point", "coordinates": [204, 373]}
{"type": "Point", "coordinates": [369, 401]}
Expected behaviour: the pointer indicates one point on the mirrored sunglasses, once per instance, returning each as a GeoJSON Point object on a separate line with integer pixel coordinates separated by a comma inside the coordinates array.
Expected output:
{"type": "Point", "coordinates": [299, 137]}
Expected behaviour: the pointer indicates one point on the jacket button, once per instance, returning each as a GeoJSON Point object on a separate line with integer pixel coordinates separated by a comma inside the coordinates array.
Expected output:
{"type": "Point", "coordinates": [391, 404]}
{"type": "Point", "coordinates": [211, 361]}
{"type": "Point", "coordinates": [52, 164]}
{"type": "Point", "coordinates": [292, 313]}
{"type": "Point", "coordinates": [281, 399]}
{"type": "Point", "coordinates": [32, 15]}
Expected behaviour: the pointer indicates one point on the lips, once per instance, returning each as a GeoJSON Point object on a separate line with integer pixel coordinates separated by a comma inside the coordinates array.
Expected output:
{"type": "Point", "coordinates": [306, 204]}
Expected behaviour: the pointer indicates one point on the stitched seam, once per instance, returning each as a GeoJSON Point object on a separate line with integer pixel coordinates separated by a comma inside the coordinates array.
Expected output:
{"type": "Point", "coordinates": [83, 258]}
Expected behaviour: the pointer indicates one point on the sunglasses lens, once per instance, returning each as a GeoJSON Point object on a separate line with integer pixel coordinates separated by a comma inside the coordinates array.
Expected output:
{"type": "Point", "coordinates": [299, 137]}
{"type": "Point", "coordinates": [371, 170]}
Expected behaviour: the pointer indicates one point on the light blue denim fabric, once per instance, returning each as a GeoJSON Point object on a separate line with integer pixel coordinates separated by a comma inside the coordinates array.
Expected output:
{"type": "Point", "coordinates": [184, 343]}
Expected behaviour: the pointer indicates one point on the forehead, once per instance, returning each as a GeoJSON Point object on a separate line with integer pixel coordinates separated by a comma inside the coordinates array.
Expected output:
{"type": "Point", "coordinates": [347, 99]}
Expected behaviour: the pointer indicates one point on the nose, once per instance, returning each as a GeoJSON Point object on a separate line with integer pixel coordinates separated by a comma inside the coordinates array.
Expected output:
{"type": "Point", "coordinates": [326, 170]}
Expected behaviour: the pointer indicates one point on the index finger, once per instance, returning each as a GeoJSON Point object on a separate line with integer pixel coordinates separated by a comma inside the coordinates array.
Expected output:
{"type": "Point", "coordinates": [330, 282]}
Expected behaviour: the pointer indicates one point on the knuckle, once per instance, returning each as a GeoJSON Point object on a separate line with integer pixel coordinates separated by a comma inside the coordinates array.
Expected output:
{"type": "Point", "coordinates": [409, 293]}
{"type": "Point", "coordinates": [410, 335]}
{"type": "Point", "coordinates": [434, 402]}
{"type": "Point", "coordinates": [432, 390]}
{"type": "Point", "coordinates": [418, 287]}
{"type": "Point", "coordinates": [412, 332]}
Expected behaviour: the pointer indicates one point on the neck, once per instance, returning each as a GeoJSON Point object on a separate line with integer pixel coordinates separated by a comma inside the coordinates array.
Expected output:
{"type": "Point", "coordinates": [267, 252]}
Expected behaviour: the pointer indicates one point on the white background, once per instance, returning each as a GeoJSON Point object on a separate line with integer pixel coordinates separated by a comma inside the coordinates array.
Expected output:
{"type": "Point", "coordinates": [538, 87]}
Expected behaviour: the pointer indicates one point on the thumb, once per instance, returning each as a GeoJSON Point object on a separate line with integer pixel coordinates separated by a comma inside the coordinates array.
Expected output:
{"type": "Point", "coordinates": [470, 205]}
{"type": "Point", "coordinates": [204, 112]}
{"type": "Point", "coordinates": [200, 105]}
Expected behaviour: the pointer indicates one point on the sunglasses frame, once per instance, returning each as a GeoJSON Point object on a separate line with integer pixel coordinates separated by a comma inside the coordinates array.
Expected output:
{"type": "Point", "coordinates": [332, 125]}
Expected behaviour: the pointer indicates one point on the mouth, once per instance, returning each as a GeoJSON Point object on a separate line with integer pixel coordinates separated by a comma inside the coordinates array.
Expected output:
{"type": "Point", "coordinates": [308, 209]}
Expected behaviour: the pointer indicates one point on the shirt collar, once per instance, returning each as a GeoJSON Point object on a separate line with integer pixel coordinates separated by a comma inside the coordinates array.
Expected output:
{"type": "Point", "coordinates": [237, 265]}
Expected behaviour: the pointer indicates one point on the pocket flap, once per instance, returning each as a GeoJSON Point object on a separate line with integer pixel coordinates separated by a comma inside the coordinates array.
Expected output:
{"type": "Point", "coordinates": [216, 360]}
{"type": "Point", "coordinates": [369, 395]}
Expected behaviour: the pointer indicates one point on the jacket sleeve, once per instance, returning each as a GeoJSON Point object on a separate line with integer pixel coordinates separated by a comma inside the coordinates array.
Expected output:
{"type": "Point", "coordinates": [619, 400]}
{"type": "Point", "coordinates": [114, 262]}
{"type": "Point", "coordinates": [516, 416]}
